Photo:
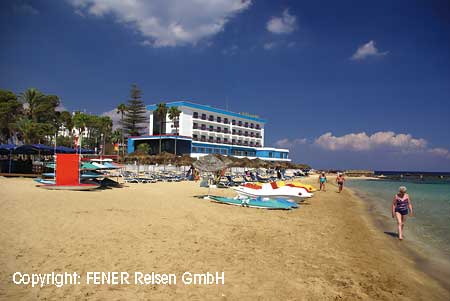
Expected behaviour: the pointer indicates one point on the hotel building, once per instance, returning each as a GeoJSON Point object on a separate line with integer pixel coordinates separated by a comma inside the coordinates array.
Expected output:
{"type": "Point", "coordinates": [203, 130]}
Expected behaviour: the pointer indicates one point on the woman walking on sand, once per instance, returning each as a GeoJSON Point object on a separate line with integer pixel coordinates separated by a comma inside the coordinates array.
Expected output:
{"type": "Point", "coordinates": [400, 207]}
{"type": "Point", "coordinates": [322, 181]}
{"type": "Point", "coordinates": [340, 181]}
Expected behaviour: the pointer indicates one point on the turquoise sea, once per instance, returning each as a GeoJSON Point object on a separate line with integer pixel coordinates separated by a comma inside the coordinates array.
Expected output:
{"type": "Point", "coordinates": [429, 230]}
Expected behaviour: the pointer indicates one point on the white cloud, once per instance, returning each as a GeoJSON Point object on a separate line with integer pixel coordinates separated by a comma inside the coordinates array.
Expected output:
{"type": "Point", "coordinates": [287, 23]}
{"type": "Point", "coordinates": [439, 151]}
{"type": "Point", "coordinates": [367, 50]}
{"type": "Point", "coordinates": [269, 45]}
{"type": "Point", "coordinates": [364, 142]}
{"type": "Point", "coordinates": [114, 117]}
{"type": "Point", "coordinates": [286, 143]}
{"type": "Point", "coordinates": [167, 23]}
{"type": "Point", "coordinates": [26, 9]}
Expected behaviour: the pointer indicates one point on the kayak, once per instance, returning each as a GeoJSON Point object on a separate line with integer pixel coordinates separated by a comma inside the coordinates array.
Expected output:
{"type": "Point", "coordinates": [253, 203]}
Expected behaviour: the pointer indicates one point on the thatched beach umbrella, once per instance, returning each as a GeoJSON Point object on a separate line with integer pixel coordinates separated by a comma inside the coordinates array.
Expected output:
{"type": "Point", "coordinates": [209, 163]}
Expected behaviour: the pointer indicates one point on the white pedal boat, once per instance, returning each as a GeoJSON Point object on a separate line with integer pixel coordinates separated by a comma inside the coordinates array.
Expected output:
{"type": "Point", "coordinates": [271, 190]}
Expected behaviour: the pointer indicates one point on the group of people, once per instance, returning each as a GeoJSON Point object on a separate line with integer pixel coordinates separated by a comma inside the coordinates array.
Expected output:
{"type": "Point", "coordinates": [401, 204]}
{"type": "Point", "coordinates": [340, 179]}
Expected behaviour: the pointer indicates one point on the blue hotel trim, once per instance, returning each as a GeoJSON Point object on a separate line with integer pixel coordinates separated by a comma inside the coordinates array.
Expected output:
{"type": "Point", "coordinates": [206, 108]}
{"type": "Point", "coordinates": [261, 153]}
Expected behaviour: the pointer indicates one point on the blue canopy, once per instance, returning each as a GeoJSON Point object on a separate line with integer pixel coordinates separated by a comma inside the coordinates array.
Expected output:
{"type": "Point", "coordinates": [32, 149]}
{"type": "Point", "coordinates": [64, 150]}
{"type": "Point", "coordinates": [6, 148]}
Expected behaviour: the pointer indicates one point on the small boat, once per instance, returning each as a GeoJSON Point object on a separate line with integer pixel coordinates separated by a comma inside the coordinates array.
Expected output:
{"type": "Point", "coordinates": [273, 191]}
{"type": "Point", "coordinates": [79, 187]}
{"type": "Point", "coordinates": [253, 203]}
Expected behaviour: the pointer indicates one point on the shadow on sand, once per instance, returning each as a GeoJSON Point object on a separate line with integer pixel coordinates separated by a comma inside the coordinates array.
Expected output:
{"type": "Point", "coordinates": [393, 234]}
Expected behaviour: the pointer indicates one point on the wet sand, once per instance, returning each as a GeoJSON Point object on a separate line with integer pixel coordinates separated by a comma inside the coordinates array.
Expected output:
{"type": "Point", "coordinates": [327, 249]}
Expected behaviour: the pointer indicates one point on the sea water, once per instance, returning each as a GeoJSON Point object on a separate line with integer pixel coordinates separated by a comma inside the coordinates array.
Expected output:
{"type": "Point", "coordinates": [429, 230]}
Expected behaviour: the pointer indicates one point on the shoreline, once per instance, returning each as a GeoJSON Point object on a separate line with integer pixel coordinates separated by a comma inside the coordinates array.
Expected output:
{"type": "Point", "coordinates": [326, 249]}
{"type": "Point", "coordinates": [434, 266]}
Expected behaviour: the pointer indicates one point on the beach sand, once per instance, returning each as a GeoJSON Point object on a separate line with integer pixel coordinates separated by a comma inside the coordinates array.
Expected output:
{"type": "Point", "coordinates": [327, 249]}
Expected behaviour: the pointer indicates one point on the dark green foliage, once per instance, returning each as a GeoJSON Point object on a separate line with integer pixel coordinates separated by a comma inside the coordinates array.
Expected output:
{"type": "Point", "coordinates": [136, 113]}
{"type": "Point", "coordinates": [10, 111]}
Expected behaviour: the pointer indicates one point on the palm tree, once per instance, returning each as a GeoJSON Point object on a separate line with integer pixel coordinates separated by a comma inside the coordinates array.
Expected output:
{"type": "Point", "coordinates": [116, 137]}
{"type": "Point", "coordinates": [121, 109]}
{"type": "Point", "coordinates": [31, 98]}
{"type": "Point", "coordinates": [174, 115]}
{"type": "Point", "coordinates": [161, 112]}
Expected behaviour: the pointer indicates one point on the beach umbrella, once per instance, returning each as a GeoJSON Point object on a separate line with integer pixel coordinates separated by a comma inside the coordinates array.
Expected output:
{"type": "Point", "coordinates": [209, 163]}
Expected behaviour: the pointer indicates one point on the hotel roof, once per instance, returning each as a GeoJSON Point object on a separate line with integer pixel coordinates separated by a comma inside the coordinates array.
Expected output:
{"type": "Point", "coordinates": [207, 108]}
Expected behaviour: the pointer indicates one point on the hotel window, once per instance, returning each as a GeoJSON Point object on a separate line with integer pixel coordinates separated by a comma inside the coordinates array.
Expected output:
{"type": "Point", "coordinates": [270, 155]}
{"type": "Point", "coordinates": [217, 150]}
{"type": "Point", "coordinates": [195, 126]}
{"type": "Point", "coordinates": [219, 129]}
{"type": "Point", "coordinates": [240, 133]}
{"type": "Point", "coordinates": [239, 123]}
{"type": "Point", "coordinates": [218, 140]}
{"type": "Point", "coordinates": [203, 127]}
{"type": "Point", "coordinates": [209, 150]}
{"type": "Point", "coordinates": [211, 128]}
{"type": "Point", "coordinates": [246, 124]}
{"type": "Point", "coordinates": [239, 142]}
{"type": "Point", "coordinates": [246, 133]}
{"type": "Point", "coordinates": [204, 116]}
{"type": "Point", "coordinates": [251, 143]}
{"type": "Point", "coordinates": [233, 122]}
{"type": "Point", "coordinates": [233, 141]}
{"type": "Point", "coordinates": [195, 137]}
{"type": "Point", "coordinates": [252, 134]}
{"type": "Point", "coordinates": [203, 138]}
{"type": "Point", "coordinates": [195, 115]}
{"type": "Point", "coordinates": [225, 140]}
{"type": "Point", "coordinates": [211, 118]}
{"type": "Point", "coordinates": [223, 152]}
{"type": "Point", "coordinates": [201, 149]}
{"type": "Point", "coordinates": [257, 126]}
{"type": "Point", "coordinates": [225, 120]}
{"type": "Point", "coordinates": [219, 119]}
{"type": "Point", "coordinates": [252, 125]}
{"type": "Point", "coordinates": [234, 132]}
{"type": "Point", "coordinates": [194, 149]}
{"type": "Point", "coordinates": [225, 130]}
{"type": "Point", "coordinates": [210, 139]}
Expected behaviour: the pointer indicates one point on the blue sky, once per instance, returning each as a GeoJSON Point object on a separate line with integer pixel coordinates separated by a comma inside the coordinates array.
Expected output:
{"type": "Point", "coordinates": [344, 84]}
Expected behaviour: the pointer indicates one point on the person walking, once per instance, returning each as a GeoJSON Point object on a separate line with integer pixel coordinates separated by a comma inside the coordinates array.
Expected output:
{"type": "Point", "coordinates": [340, 181]}
{"type": "Point", "coordinates": [401, 206]}
{"type": "Point", "coordinates": [322, 180]}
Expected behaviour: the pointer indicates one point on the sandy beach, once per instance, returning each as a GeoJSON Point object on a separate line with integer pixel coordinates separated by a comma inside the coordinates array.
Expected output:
{"type": "Point", "coordinates": [327, 249]}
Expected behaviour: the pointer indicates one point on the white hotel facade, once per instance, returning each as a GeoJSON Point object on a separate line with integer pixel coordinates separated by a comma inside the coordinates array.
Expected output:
{"type": "Point", "coordinates": [206, 130]}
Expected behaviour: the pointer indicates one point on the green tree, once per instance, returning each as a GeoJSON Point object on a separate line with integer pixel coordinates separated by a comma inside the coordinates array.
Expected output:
{"type": "Point", "coordinates": [143, 148]}
{"type": "Point", "coordinates": [121, 109]}
{"type": "Point", "coordinates": [161, 113]}
{"type": "Point", "coordinates": [136, 114]}
{"type": "Point", "coordinates": [174, 115]}
{"type": "Point", "coordinates": [10, 111]}
{"type": "Point", "coordinates": [80, 121]}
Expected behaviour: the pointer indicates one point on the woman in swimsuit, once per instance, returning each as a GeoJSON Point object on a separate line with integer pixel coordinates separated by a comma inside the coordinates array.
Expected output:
{"type": "Point", "coordinates": [322, 181]}
{"type": "Point", "coordinates": [401, 206]}
{"type": "Point", "coordinates": [340, 181]}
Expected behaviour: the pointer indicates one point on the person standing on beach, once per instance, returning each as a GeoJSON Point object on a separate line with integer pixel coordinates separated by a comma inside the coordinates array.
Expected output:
{"type": "Point", "coordinates": [322, 181]}
{"type": "Point", "coordinates": [400, 207]}
{"type": "Point", "coordinates": [340, 181]}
